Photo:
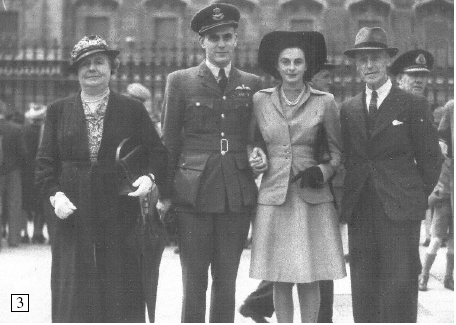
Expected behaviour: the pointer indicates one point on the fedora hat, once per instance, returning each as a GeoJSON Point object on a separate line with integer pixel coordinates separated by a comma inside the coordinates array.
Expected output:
{"type": "Point", "coordinates": [371, 39]}
{"type": "Point", "coordinates": [413, 61]}
{"type": "Point", "coordinates": [215, 15]}
{"type": "Point", "coordinates": [89, 45]}
{"type": "Point", "coordinates": [311, 43]}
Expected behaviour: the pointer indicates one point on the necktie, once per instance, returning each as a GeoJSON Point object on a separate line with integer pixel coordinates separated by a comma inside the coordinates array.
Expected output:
{"type": "Point", "coordinates": [223, 80]}
{"type": "Point", "coordinates": [372, 109]}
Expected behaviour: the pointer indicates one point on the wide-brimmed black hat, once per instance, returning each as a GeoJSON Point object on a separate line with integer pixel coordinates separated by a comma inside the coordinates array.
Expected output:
{"type": "Point", "coordinates": [215, 15]}
{"type": "Point", "coordinates": [371, 39]}
{"type": "Point", "coordinates": [413, 61]}
{"type": "Point", "coordinates": [312, 43]}
{"type": "Point", "coordinates": [89, 45]}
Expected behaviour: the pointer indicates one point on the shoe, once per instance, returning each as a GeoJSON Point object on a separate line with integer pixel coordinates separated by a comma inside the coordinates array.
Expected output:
{"type": "Point", "coordinates": [449, 283]}
{"type": "Point", "coordinates": [38, 239]}
{"type": "Point", "coordinates": [255, 316]}
{"type": "Point", "coordinates": [25, 239]}
{"type": "Point", "coordinates": [422, 284]}
{"type": "Point", "coordinates": [426, 242]}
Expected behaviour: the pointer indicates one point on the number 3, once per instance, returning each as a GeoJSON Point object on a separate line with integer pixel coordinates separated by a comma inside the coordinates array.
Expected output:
{"type": "Point", "coordinates": [20, 302]}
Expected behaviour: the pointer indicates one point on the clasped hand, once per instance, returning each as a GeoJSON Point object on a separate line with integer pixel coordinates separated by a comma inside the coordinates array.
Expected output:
{"type": "Point", "coordinates": [144, 184]}
{"type": "Point", "coordinates": [258, 161]}
{"type": "Point", "coordinates": [63, 207]}
{"type": "Point", "coordinates": [311, 177]}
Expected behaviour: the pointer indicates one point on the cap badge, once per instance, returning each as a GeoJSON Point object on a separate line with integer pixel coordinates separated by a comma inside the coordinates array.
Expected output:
{"type": "Point", "coordinates": [218, 15]}
{"type": "Point", "coordinates": [420, 59]}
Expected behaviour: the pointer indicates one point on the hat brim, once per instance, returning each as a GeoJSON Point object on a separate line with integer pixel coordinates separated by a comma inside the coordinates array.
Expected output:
{"type": "Point", "coordinates": [312, 43]}
{"type": "Point", "coordinates": [392, 51]}
{"type": "Point", "coordinates": [205, 29]}
{"type": "Point", "coordinates": [73, 68]}
{"type": "Point", "coordinates": [417, 69]}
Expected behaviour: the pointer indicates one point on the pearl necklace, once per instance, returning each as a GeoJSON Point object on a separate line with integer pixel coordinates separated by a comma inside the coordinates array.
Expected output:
{"type": "Point", "coordinates": [289, 102]}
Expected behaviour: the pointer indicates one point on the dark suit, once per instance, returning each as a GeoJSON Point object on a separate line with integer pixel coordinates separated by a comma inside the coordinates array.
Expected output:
{"type": "Point", "coordinates": [95, 274]}
{"type": "Point", "coordinates": [390, 171]}
{"type": "Point", "coordinates": [213, 191]}
{"type": "Point", "coordinates": [13, 154]}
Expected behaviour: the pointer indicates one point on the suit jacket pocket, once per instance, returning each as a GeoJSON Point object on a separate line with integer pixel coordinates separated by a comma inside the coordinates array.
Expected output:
{"type": "Point", "coordinates": [188, 177]}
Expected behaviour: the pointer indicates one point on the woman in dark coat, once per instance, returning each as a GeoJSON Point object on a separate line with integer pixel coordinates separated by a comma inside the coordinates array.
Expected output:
{"type": "Point", "coordinates": [95, 275]}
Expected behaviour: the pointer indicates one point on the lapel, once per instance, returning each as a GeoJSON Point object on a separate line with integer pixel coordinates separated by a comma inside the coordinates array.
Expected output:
{"type": "Point", "coordinates": [359, 113]}
{"type": "Point", "coordinates": [207, 78]}
{"type": "Point", "coordinates": [276, 100]}
{"type": "Point", "coordinates": [76, 119]}
{"type": "Point", "coordinates": [233, 80]}
{"type": "Point", "coordinates": [387, 111]}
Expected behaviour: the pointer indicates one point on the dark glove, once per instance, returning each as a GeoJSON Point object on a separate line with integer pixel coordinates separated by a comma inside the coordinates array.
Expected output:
{"type": "Point", "coordinates": [311, 177]}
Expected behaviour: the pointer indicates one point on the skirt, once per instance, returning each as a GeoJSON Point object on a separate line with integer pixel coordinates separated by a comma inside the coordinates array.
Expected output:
{"type": "Point", "coordinates": [296, 242]}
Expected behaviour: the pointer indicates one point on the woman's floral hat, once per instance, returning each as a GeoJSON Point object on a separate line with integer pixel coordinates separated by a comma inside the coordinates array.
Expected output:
{"type": "Point", "coordinates": [89, 45]}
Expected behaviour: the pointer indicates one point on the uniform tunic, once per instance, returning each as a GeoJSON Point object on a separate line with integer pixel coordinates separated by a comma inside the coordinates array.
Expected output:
{"type": "Point", "coordinates": [296, 233]}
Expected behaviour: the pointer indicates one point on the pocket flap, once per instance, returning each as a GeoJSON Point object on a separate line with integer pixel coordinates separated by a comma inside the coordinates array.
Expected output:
{"type": "Point", "coordinates": [202, 102]}
{"type": "Point", "coordinates": [192, 160]}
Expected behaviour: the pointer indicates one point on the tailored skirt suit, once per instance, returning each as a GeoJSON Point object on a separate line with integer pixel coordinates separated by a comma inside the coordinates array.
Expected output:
{"type": "Point", "coordinates": [95, 274]}
{"type": "Point", "coordinates": [296, 231]}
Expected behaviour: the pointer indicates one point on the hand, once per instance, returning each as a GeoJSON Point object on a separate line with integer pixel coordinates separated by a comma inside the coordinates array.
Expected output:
{"type": "Point", "coordinates": [63, 207]}
{"type": "Point", "coordinates": [258, 161]}
{"type": "Point", "coordinates": [311, 177]}
{"type": "Point", "coordinates": [144, 184]}
{"type": "Point", "coordinates": [163, 207]}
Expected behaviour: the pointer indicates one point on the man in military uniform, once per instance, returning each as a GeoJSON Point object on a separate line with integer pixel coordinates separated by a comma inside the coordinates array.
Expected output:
{"type": "Point", "coordinates": [206, 116]}
{"type": "Point", "coordinates": [412, 69]}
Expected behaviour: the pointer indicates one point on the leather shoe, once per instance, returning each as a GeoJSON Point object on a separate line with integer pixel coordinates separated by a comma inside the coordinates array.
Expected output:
{"type": "Point", "coordinates": [255, 316]}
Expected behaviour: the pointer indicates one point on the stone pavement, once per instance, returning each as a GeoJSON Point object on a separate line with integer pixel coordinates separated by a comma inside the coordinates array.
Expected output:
{"type": "Point", "coordinates": [26, 270]}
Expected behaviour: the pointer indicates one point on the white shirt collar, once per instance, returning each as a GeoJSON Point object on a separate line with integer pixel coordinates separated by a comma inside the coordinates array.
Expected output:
{"type": "Point", "coordinates": [382, 92]}
{"type": "Point", "coordinates": [215, 69]}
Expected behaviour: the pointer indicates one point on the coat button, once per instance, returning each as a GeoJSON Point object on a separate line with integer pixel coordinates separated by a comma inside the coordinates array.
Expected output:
{"type": "Point", "coordinates": [223, 115]}
{"type": "Point", "coordinates": [224, 97]}
{"type": "Point", "coordinates": [222, 134]}
{"type": "Point", "coordinates": [198, 104]}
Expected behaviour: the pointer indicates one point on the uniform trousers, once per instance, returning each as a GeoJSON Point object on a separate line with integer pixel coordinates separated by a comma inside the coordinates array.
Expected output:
{"type": "Point", "coordinates": [214, 240]}
{"type": "Point", "coordinates": [384, 263]}
{"type": "Point", "coordinates": [11, 204]}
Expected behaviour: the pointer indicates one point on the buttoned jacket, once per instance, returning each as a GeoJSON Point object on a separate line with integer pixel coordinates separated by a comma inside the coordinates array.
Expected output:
{"type": "Point", "coordinates": [401, 154]}
{"type": "Point", "coordinates": [205, 132]}
{"type": "Point", "coordinates": [290, 142]}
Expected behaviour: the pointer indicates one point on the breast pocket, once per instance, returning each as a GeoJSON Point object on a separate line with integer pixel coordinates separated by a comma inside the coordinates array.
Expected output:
{"type": "Point", "coordinates": [199, 113]}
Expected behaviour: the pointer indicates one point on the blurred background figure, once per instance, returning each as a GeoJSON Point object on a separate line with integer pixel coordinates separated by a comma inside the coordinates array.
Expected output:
{"type": "Point", "coordinates": [32, 198]}
{"type": "Point", "coordinates": [12, 155]}
{"type": "Point", "coordinates": [141, 93]}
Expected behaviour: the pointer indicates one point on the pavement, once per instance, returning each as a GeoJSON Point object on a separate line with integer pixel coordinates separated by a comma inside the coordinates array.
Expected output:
{"type": "Point", "coordinates": [26, 270]}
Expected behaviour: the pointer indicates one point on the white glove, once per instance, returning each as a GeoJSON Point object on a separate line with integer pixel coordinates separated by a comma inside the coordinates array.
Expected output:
{"type": "Point", "coordinates": [144, 184]}
{"type": "Point", "coordinates": [62, 205]}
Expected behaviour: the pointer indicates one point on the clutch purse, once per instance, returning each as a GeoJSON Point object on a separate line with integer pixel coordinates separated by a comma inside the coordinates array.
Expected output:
{"type": "Point", "coordinates": [131, 160]}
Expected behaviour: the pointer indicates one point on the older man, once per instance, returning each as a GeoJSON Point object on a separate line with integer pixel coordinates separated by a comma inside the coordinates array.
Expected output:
{"type": "Point", "coordinates": [206, 114]}
{"type": "Point", "coordinates": [392, 164]}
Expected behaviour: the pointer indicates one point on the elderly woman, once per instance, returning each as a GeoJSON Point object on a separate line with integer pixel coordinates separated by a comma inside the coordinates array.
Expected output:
{"type": "Point", "coordinates": [95, 275]}
{"type": "Point", "coordinates": [296, 235]}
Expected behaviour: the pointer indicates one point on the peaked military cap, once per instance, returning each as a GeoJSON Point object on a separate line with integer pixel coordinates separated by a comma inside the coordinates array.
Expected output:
{"type": "Point", "coordinates": [413, 61]}
{"type": "Point", "coordinates": [312, 44]}
{"type": "Point", "coordinates": [215, 15]}
{"type": "Point", "coordinates": [371, 39]}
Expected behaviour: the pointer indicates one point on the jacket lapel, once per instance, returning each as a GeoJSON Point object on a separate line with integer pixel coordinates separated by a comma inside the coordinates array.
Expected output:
{"type": "Point", "coordinates": [387, 111]}
{"type": "Point", "coordinates": [76, 117]}
{"type": "Point", "coordinates": [207, 78]}
{"type": "Point", "coordinates": [108, 122]}
{"type": "Point", "coordinates": [359, 114]}
{"type": "Point", "coordinates": [276, 101]}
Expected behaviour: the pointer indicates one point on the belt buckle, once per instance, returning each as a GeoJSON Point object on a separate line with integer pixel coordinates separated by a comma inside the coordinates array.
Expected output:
{"type": "Point", "coordinates": [223, 146]}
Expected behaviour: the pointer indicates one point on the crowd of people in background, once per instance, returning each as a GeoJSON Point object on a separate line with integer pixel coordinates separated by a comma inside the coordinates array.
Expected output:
{"type": "Point", "coordinates": [308, 176]}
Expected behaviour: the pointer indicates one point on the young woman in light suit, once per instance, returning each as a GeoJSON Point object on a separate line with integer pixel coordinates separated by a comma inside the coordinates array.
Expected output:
{"type": "Point", "coordinates": [296, 235]}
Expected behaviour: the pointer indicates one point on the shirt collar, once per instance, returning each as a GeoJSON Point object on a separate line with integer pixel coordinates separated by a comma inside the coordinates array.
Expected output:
{"type": "Point", "coordinates": [215, 69]}
{"type": "Point", "coordinates": [382, 91]}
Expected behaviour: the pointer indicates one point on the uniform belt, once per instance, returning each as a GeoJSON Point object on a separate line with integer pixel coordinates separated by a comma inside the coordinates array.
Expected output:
{"type": "Point", "coordinates": [224, 145]}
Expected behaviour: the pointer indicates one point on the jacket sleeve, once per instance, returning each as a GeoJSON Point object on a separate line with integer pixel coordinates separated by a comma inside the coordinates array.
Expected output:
{"type": "Point", "coordinates": [425, 143]}
{"type": "Point", "coordinates": [331, 123]}
{"type": "Point", "coordinates": [172, 124]}
{"type": "Point", "coordinates": [48, 158]}
{"type": "Point", "coordinates": [158, 155]}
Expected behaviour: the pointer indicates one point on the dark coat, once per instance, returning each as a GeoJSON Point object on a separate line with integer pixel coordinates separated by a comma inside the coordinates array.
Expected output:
{"type": "Point", "coordinates": [95, 276]}
{"type": "Point", "coordinates": [197, 116]}
{"type": "Point", "coordinates": [401, 155]}
{"type": "Point", "coordinates": [13, 147]}
{"type": "Point", "coordinates": [31, 196]}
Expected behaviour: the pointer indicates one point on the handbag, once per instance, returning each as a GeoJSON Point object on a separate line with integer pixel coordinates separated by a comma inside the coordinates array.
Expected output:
{"type": "Point", "coordinates": [129, 166]}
